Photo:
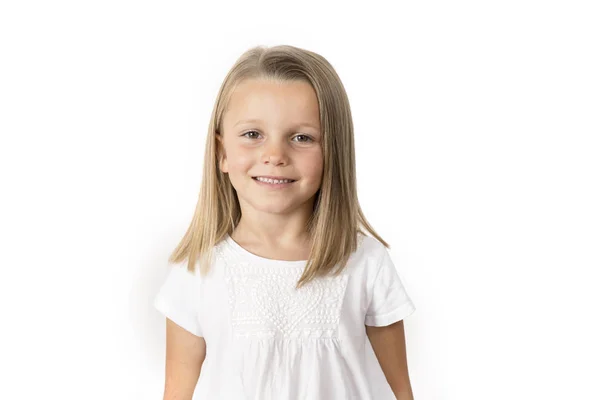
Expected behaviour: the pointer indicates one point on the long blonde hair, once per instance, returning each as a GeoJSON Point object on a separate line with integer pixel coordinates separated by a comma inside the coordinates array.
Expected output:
{"type": "Point", "coordinates": [337, 216]}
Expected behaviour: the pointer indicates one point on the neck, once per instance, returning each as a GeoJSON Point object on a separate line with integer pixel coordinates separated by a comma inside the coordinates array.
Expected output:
{"type": "Point", "coordinates": [271, 229]}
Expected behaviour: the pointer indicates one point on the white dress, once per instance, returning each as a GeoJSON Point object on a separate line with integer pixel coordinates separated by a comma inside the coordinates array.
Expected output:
{"type": "Point", "coordinates": [267, 341]}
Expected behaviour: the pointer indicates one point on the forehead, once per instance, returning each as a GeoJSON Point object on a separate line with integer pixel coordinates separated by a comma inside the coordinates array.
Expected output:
{"type": "Point", "coordinates": [273, 101]}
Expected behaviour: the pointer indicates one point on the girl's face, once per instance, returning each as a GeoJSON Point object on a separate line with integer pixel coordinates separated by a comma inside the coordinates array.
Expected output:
{"type": "Point", "coordinates": [272, 129]}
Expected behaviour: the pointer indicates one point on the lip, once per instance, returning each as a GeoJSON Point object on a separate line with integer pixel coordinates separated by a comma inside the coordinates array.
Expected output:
{"type": "Point", "coordinates": [273, 185]}
{"type": "Point", "coordinates": [273, 177]}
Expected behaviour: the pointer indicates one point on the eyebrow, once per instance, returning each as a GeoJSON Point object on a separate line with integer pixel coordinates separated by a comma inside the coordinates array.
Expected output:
{"type": "Point", "coordinates": [244, 121]}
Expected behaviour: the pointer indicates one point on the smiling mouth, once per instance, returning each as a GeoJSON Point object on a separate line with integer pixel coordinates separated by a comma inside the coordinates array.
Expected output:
{"type": "Point", "coordinates": [273, 181]}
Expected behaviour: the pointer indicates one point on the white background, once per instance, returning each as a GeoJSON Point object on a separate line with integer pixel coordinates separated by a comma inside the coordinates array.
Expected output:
{"type": "Point", "coordinates": [478, 156]}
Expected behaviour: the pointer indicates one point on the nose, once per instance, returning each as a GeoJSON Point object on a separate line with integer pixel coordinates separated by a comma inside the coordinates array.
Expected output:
{"type": "Point", "coordinates": [274, 153]}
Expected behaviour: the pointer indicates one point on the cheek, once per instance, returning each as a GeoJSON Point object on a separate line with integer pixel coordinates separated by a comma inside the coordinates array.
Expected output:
{"type": "Point", "coordinates": [239, 160]}
{"type": "Point", "coordinates": [314, 166]}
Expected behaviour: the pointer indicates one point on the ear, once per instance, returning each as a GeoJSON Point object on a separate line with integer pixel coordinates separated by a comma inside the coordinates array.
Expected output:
{"type": "Point", "coordinates": [221, 155]}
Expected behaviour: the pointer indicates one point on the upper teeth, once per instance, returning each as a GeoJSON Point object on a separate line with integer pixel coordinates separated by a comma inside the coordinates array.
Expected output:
{"type": "Point", "coordinates": [260, 178]}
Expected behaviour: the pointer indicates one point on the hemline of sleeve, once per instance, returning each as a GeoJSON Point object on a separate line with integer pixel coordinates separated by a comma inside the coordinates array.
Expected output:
{"type": "Point", "coordinates": [176, 317]}
{"type": "Point", "coordinates": [398, 314]}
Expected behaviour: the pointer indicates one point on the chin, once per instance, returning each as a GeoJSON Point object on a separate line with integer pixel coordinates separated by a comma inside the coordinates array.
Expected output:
{"type": "Point", "coordinates": [275, 208]}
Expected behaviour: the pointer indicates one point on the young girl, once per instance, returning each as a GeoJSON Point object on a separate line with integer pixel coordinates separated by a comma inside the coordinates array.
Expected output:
{"type": "Point", "coordinates": [289, 287]}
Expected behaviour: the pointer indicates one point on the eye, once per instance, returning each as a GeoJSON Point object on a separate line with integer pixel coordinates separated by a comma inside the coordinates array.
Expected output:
{"type": "Point", "coordinates": [253, 137]}
{"type": "Point", "coordinates": [306, 138]}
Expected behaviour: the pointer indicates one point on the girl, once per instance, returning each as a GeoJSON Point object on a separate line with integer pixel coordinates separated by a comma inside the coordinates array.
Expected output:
{"type": "Point", "coordinates": [289, 286]}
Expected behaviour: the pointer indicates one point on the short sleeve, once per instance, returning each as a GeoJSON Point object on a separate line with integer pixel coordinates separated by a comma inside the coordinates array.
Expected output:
{"type": "Point", "coordinates": [389, 302]}
{"type": "Point", "coordinates": [179, 298]}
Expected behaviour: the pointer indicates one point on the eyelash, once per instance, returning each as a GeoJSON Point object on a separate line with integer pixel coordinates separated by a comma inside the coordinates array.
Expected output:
{"type": "Point", "coordinates": [302, 134]}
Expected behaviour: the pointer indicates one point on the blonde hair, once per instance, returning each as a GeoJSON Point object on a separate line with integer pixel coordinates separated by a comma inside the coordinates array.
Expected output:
{"type": "Point", "coordinates": [337, 217]}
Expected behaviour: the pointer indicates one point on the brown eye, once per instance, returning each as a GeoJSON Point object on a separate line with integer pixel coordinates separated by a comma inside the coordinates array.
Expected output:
{"type": "Point", "coordinates": [249, 132]}
{"type": "Point", "coordinates": [305, 138]}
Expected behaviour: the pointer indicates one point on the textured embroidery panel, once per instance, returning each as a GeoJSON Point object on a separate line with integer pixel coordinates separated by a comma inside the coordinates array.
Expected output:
{"type": "Point", "coordinates": [265, 303]}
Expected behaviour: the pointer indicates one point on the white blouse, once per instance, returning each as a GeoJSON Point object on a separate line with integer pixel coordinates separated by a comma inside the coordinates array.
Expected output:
{"type": "Point", "coordinates": [266, 340]}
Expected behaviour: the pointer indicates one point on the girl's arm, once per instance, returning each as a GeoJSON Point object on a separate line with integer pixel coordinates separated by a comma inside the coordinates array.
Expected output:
{"type": "Point", "coordinates": [389, 345]}
{"type": "Point", "coordinates": [184, 357]}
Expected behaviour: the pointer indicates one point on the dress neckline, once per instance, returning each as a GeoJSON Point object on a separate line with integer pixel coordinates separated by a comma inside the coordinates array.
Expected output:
{"type": "Point", "coordinates": [254, 258]}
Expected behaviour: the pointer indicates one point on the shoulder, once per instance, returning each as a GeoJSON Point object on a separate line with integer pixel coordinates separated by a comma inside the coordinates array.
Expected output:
{"type": "Point", "coordinates": [371, 244]}
{"type": "Point", "coordinates": [370, 248]}
{"type": "Point", "coordinates": [367, 258]}
{"type": "Point", "coordinates": [195, 273]}
{"type": "Point", "coordinates": [181, 272]}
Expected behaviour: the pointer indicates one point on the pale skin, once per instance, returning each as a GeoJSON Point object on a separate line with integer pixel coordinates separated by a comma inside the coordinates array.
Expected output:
{"type": "Point", "coordinates": [283, 139]}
